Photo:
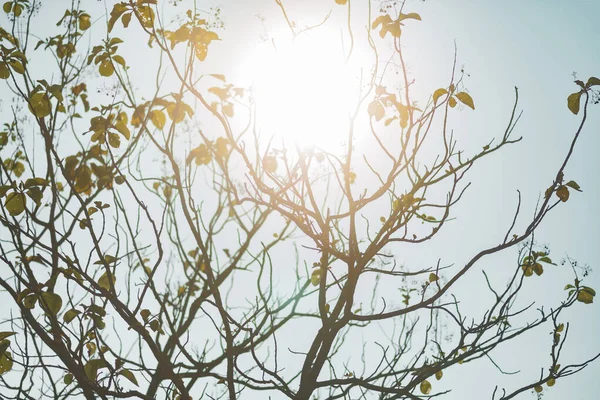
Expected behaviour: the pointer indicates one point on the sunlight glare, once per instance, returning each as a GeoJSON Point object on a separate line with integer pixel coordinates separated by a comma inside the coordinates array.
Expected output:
{"type": "Point", "coordinates": [304, 90]}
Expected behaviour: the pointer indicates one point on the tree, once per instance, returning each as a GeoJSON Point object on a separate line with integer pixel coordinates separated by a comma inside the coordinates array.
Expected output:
{"type": "Point", "coordinates": [150, 225]}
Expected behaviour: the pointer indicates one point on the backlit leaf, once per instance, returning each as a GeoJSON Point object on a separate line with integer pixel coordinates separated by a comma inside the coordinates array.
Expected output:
{"type": "Point", "coordinates": [104, 282]}
{"type": "Point", "coordinates": [563, 193]}
{"type": "Point", "coordinates": [425, 387]}
{"type": "Point", "coordinates": [68, 379]}
{"type": "Point", "coordinates": [70, 315]}
{"type": "Point", "coordinates": [433, 277]}
{"type": "Point", "coordinates": [129, 375]}
{"type": "Point", "coordinates": [91, 368]}
{"type": "Point", "coordinates": [315, 277]}
{"type": "Point", "coordinates": [50, 302]}
{"type": "Point", "coordinates": [593, 81]}
{"type": "Point", "coordinates": [466, 99]}
{"type": "Point", "coordinates": [439, 93]}
{"type": "Point", "coordinates": [573, 185]}
{"type": "Point", "coordinates": [15, 203]}
{"type": "Point", "coordinates": [573, 102]}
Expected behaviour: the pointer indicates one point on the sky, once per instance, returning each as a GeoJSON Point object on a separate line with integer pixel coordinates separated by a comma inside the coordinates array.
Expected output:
{"type": "Point", "coordinates": [534, 45]}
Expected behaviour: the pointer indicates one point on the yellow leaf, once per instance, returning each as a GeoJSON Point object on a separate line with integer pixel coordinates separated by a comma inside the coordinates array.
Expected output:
{"type": "Point", "coordinates": [158, 118]}
{"type": "Point", "coordinates": [563, 193]}
{"type": "Point", "coordinates": [425, 387]}
{"type": "Point", "coordinates": [39, 104]}
{"type": "Point", "coordinates": [315, 277]}
{"type": "Point", "coordinates": [551, 382]}
{"type": "Point", "coordinates": [433, 277]}
{"type": "Point", "coordinates": [439, 93]}
{"type": "Point", "coordinates": [341, 2]}
{"type": "Point", "coordinates": [376, 110]}
{"type": "Point", "coordinates": [438, 375]}
{"type": "Point", "coordinates": [84, 22]}
{"type": "Point", "coordinates": [538, 389]}
{"type": "Point", "coordinates": [573, 102]}
{"type": "Point", "coordinates": [466, 99]}
{"type": "Point", "coordinates": [4, 71]}
{"type": "Point", "coordinates": [452, 102]}
{"type": "Point", "coordinates": [106, 68]}
{"type": "Point", "coordinates": [270, 164]}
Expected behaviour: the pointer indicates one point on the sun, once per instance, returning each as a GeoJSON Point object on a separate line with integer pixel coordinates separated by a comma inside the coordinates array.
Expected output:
{"type": "Point", "coordinates": [304, 88]}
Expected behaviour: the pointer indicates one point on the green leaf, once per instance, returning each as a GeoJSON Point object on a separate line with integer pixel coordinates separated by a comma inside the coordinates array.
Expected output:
{"type": "Point", "coordinates": [433, 277]}
{"type": "Point", "coordinates": [4, 344]}
{"type": "Point", "coordinates": [6, 362]}
{"type": "Point", "coordinates": [315, 277]}
{"type": "Point", "coordinates": [91, 368]}
{"type": "Point", "coordinates": [573, 102]}
{"type": "Point", "coordinates": [574, 185]}
{"type": "Point", "coordinates": [35, 193]}
{"type": "Point", "coordinates": [68, 379]}
{"type": "Point", "coordinates": [439, 93]}
{"type": "Point", "coordinates": [29, 301]}
{"type": "Point", "coordinates": [4, 335]}
{"type": "Point", "coordinates": [593, 81]}
{"type": "Point", "coordinates": [562, 193]}
{"type": "Point", "coordinates": [7, 6]}
{"type": "Point", "coordinates": [425, 387]}
{"type": "Point", "coordinates": [438, 375]}
{"type": "Point", "coordinates": [466, 99]}
{"type": "Point", "coordinates": [35, 182]}
{"type": "Point", "coordinates": [70, 315]}
{"type": "Point", "coordinates": [15, 203]}
{"type": "Point", "coordinates": [586, 295]}
{"type": "Point", "coordinates": [51, 302]}
{"type": "Point", "coordinates": [129, 375]}
{"type": "Point", "coordinates": [104, 282]}
{"type": "Point", "coordinates": [39, 104]}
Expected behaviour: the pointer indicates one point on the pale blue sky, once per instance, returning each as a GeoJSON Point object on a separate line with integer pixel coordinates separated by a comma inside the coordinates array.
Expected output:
{"type": "Point", "coordinates": [535, 45]}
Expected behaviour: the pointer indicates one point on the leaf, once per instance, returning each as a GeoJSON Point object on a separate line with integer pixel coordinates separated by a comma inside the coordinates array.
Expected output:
{"type": "Point", "coordinates": [116, 12]}
{"type": "Point", "coordinates": [341, 2]}
{"type": "Point", "coordinates": [70, 315]}
{"type": "Point", "coordinates": [315, 277]}
{"type": "Point", "coordinates": [439, 93]}
{"type": "Point", "coordinates": [7, 6]}
{"type": "Point", "coordinates": [6, 362]}
{"type": "Point", "coordinates": [158, 118]}
{"type": "Point", "coordinates": [270, 164]}
{"type": "Point", "coordinates": [84, 22]}
{"type": "Point", "coordinates": [438, 375]}
{"type": "Point", "coordinates": [409, 16]}
{"type": "Point", "coordinates": [452, 102]}
{"type": "Point", "coordinates": [29, 301]}
{"type": "Point", "coordinates": [35, 182]}
{"type": "Point", "coordinates": [563, 193]}
{"type": "Point", "coordinates": [106, 68]}
{"type": "Point", "coordinates": [91, 368]}
{"type": "Point", "coordinates": [104, 282]}
{"type": "Point", "coordinates": [538, 269]}
{"type": "Point", "coordinates": [35, 193]}
{"type": "Point", "coordinates": [15, 203]}
{"type": "Point", "coordinates": [145, 313]}
{"type": "Point", "coordinates": [4, 71]}
{"type": "Point", "coordinates": [538, 389]}
{"type": "Point", "coordinates": [593, 81]}
{"type": "Point", "coordinates": [129, 375]}
{"type": "Point", "coordinates": [4, 335]}
{"type": "Point", "coordinates": [573, 185]}
{"type": "Point", "coordinates": [39, 104]}
{"type": "Point", "coordinates": [551, 382]}
{"type": "Point", "coordinates": [51, 302]}
{"type": "Point", "coordinates": [376, 110]}
{"type": "Point", "coordinates": [221, 147]}
{"type": "Point", "coordinates": [586, 295]}
{"type": "Point", "coordinates": [573, 102]}
{"type": "Point", "coordinates": [68, 379]}
{"type": "Point", "coordinates": [114, 140]}
{"type": "Point", "coordinates": [560, 328]}
{"type": "Point", "coordinates": [433, 277]}
{"type": "Point", "coordinates": [146, 16]}
{"type": "Point", "coordinates": [425, 387]}
{"type": "Point", "coordinates": [466, 99]}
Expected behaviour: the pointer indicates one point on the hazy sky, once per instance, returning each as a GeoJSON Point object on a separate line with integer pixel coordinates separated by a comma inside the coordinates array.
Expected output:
{"type": "Point", "coordinates": [536, 46]}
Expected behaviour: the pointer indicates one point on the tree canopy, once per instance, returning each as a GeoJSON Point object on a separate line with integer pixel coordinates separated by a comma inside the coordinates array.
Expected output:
{"type": "Point", "coordinates": [169, 232]}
